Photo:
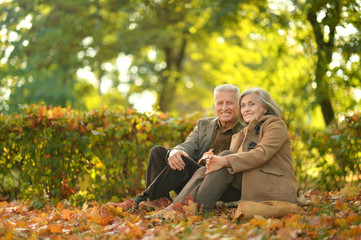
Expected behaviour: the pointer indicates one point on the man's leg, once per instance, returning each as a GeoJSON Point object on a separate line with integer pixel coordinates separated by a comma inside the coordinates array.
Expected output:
{"type": "Point", "coordinates": [157, 163]}
{"type": "Point", "coordinates": [169, 179]}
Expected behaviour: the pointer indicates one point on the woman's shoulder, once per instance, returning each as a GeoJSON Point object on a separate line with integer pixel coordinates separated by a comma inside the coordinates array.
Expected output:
{"type": "Point", "coordinates": [269, 119]}
{"type": "Point", "coordinates": [274, 124]}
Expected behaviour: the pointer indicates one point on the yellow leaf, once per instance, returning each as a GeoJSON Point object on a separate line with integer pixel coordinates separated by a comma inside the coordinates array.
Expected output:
{"type": "Point", "coordinates": [257, 222]}
{"type": "Point", "coordinates": [344, 207]}
{"type": "Point", "coordinates": [173, 216]}
{"type": "Point", "coordinates": [134, 231]}
{"type": "Point", "coordinates": [9, 235]}
{"type": "Point", "coordinates": [116, 211]}
{"type": "Point", "coordinates": [350, 190]}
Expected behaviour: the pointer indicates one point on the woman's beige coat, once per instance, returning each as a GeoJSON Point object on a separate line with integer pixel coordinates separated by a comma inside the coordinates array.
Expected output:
{"type": "Point", "coordinates": [265, 159]}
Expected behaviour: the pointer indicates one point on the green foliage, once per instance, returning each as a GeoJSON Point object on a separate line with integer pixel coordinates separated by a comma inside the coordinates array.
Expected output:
{"type": "Point", "coordinates": [52, 153]}
{"type": "Point", "coordinates": [330, 158]}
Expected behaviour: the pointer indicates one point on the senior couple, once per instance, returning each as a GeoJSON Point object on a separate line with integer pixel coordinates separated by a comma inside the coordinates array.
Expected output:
{"type": "Point", "coordinates": [251, 158]}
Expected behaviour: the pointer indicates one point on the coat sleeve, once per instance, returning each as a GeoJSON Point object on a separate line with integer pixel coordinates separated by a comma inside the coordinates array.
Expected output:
{"type": "Point", "coordinates": [192, 143]}
{"type": "Point", "coordinates": [275, 134]}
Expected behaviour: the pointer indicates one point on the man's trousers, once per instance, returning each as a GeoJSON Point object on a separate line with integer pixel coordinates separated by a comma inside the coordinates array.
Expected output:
{"type": "Point", "coordinates": [161, 179]}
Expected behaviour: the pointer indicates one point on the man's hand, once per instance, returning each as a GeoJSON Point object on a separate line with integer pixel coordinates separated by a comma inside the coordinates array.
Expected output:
{"type": "Point", "coordinates": [175, 160]}
{"type": "Point", "coordinates": [215, 163]}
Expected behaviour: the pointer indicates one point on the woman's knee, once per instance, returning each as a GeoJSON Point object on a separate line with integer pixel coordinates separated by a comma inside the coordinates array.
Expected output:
{"type": "Point", "coordinates": [221, 173]}
{"type": "Point", "coordinates": [226, 152]}
{"type": "Point", "coordinates": [200, 171]}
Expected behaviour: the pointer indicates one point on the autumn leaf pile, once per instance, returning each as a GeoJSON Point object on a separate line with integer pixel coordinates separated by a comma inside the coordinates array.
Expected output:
{"type": "Point", "coordinates": [326, 215]}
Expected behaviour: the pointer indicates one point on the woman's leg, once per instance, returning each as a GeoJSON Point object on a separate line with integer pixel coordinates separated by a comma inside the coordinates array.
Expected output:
{"type": "Point", "coordinates": [206, 190]}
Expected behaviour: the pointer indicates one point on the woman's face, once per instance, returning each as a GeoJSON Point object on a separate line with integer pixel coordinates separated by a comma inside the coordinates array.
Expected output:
{"type": "Point", "coordinates": [251, 107]}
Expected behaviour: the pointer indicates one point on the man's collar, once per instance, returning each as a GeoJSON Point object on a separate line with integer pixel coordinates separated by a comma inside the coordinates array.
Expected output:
{"type": "Point", "coordinates": [234, 127]}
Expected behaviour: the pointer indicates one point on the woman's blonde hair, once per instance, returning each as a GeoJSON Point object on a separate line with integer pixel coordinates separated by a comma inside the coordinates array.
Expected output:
{"type": "Point", "coordinates": [266, 100]}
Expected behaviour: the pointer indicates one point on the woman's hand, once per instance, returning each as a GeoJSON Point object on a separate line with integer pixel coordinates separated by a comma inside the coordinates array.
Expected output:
{"type": "Point", "coordinates": [215, 163]}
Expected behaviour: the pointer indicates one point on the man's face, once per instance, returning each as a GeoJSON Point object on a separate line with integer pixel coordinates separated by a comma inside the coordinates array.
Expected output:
{"type": "Point", "coordinates": [226, 108]}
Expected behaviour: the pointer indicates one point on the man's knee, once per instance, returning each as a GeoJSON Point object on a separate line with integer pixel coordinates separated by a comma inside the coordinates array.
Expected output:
{"type": "Point", "coordinates": [158, 150]}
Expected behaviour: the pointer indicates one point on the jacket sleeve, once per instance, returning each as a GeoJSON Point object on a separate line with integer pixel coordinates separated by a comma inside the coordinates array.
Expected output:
{"type": "Point", "coordinates": [192, 143]}
{"type": "Point", "coordinates": [275, 134]}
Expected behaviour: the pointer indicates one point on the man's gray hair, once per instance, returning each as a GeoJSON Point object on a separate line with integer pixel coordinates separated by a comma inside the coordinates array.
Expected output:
{"type": "Point", "coordinates": [227, 88]}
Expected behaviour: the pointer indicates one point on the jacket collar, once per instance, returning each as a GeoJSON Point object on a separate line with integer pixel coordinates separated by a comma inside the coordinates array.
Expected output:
{"type": "Point", "coordinates": [256, 123]}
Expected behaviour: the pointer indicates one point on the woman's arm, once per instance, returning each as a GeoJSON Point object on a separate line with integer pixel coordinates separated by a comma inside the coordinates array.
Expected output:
{"type": "Point", "coordinates": [275, 134]}
{"type": "Point", "coordinates": [215, 163]}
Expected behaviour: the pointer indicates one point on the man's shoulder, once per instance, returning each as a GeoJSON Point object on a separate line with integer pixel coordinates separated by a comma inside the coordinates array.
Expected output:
{"type": "Point", "coordinates": [208, 120]}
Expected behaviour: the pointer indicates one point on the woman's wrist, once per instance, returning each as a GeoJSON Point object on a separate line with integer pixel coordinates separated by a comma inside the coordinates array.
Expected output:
{"type": "Point", "coordinates": [226, 163]}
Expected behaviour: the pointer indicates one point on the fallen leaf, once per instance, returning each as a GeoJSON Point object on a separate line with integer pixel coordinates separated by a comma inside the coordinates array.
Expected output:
{"type": "Point", "coordinates": [3, 204]}
{"type": "Point", "coordinates": [55, 228]}
{"type": "Point", "coordinates": [191, 208]}
{"type": "Point", "coordinates": [65, 214]}
{"type": "Point", "coordinates": [173, 215]}
{"type": "Point", "coordinates": [349, 190]}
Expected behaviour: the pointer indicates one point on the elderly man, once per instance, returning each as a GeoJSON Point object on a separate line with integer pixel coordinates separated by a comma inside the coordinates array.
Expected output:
{"type": "Point", "coordinates": [171, 169]}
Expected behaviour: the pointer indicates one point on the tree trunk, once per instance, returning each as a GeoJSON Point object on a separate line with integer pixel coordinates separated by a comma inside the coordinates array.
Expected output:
{"type": "Point", "coordinates": [171, 76]}
{"type": "Point", "coordinates": [324, 54]}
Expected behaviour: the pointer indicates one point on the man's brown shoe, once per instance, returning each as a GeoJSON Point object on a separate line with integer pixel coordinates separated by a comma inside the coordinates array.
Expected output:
{"type": "Point", "coordinates": [157, 204]}
{"type": "Point", "coordinates": [125, 206]}
{"type": "Point", "coordinates": [129, 205]}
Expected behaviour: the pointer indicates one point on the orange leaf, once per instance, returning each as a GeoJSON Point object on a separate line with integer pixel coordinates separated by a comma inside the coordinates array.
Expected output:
{"type": "Point", "coordinates": [66, 214]}
{"type": "Point", "coordinates": [3, 203]}
{"type": "Point", "coordinates": [41, 113]}
{"type": "Point", "coordinates": [55, 228]}
{"type": "Point", "coordinates": [134, 231]}
{"type": "Point", "coordinates": [258, 222]}
{"type": "Point", "coordinates": [191, 208]}
{"type": "Point", "coordinates": [60, 206]}
{"type": "Point", "coordinates": [56, 113]}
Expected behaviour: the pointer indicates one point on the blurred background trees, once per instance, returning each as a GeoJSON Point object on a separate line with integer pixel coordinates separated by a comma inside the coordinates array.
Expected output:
{"type": "Point", "coordinates": [86, 54]}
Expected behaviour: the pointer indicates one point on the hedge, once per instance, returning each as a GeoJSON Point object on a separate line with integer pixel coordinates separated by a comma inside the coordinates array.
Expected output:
{"type": "Point", "coordinates": [51, 153]}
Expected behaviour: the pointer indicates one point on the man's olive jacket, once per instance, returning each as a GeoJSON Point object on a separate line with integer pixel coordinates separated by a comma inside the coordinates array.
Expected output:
{"type": "Point", "coordinates": [200, 139]}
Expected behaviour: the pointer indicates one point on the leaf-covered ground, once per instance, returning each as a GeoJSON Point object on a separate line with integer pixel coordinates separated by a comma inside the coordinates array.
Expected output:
{"type": "Point", "coordinates": [326, 215]}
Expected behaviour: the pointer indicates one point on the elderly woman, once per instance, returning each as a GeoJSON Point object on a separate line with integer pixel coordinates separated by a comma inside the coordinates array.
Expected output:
{"type": "Point", "coordinates": [258, 166]}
